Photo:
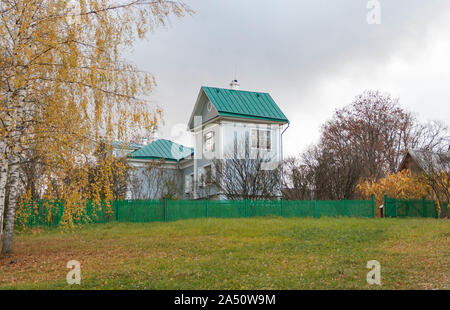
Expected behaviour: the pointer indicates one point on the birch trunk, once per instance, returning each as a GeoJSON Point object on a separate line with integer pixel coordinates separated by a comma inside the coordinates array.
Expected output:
{"type": "Point", "coordinates": [3, 168]}
{"type": "Point", "coordinates": [14, 171]}
{"type": "Point", "coordinates": [3, 177]}
{"type": "Point", "coordinates": [12, 203]}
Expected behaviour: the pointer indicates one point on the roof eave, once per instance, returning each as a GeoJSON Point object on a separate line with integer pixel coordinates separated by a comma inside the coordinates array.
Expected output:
{"type": "Point", "coordinates": [191, 118]}
{"type": "Point", "coordinates": [246, 116]}
{"type": "Point", "coordinates": [161, 158]}
{"type": "Point", "coordinates": [152, 158]}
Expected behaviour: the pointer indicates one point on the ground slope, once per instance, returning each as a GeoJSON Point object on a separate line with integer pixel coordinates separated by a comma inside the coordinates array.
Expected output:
{"type": "Point", "coordinates": [256, 253]}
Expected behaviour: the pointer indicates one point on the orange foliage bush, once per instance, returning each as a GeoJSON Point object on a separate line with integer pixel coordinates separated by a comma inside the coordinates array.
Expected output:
{"type": "Point", "coordinates": [400, 185]}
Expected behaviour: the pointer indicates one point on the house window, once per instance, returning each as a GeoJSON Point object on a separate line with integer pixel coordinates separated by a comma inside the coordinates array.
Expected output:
{"type": "Point", "coordinates": [205, 176]}
{"type": "Point", "coordinates": [207, 179]}
{"type": "Point", "coordinates": [261, 139]}
{"type": "Point", "coordinates": [208, 142]}
{"type": "Point", "coordinates": [207, 172]}
{"type": "Point", "coordinates": [188, 183]}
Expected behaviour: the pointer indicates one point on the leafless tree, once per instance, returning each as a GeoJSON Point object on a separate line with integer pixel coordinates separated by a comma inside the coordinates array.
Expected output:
{"type": "Point", "coordinates": [247, 178]}
{"type": "Point", "coordinates": [298, 180]}
{"type": "Point", "coordinates": [432, 136]}
{"type": "Point", "coordinates": [374, 126]}
{"type": "Point", "coordinates": [153, 181]}
{"type": "Point", "coordinates": [435, 169]}
{"type": "Point", "coordinates": [334, 172]}
{"type": "Point", "coordinates": [206, 184]}
{"type": "Point", "coordinates": [432, 154]}
{"type": "Point", "coordinates": [135, 185]}
{"type": "Point", "coordinates": [366, 139]}
{"type": "Point", "coordinates": [119, 182]}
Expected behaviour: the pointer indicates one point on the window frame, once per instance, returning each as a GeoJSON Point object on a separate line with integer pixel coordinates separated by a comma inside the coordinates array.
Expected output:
{"type": "Point", "coordinates": [211, 140]}
{"type": "Point", "coordinates": [207, 178]}
{"type": "Point", "coordinates": [259, 138]}
{"type": "Point", "coordinates": [191, 183]}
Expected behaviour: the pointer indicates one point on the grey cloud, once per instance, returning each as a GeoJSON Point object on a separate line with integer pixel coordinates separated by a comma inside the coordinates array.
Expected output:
{"type": "Point", "coordinates": [287, 48]}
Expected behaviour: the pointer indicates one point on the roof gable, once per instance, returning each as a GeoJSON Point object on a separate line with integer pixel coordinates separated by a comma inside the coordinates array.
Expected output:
{"type": "Point", "coordinates": [244, 104]}
{"type": "Point", "coordinates": [163, 149]}
{"type": "Point", "coordinates": [426, 160]}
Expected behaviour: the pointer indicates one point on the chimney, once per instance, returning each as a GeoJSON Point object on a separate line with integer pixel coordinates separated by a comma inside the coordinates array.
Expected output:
{"type": "Point", "coordinates": [234, 85]}
{"type": "Point", "coordinates": [144, 141]}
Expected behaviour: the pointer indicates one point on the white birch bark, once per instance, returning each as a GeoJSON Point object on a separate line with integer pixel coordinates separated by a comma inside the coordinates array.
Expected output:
{"type": "Point", "coordinates": [14, 171]}
{"type": "Point", "coordinates": [3, 168]}
{"type": "Point", "coordinates": [3, 178]}
{"type": "Point", "coordinates": [12, 203]}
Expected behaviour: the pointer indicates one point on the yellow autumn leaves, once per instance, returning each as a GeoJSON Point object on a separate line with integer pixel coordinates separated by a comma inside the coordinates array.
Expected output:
{"type": "Point", "coordinates": [65, 89]}
{"type": "Point", "coordinates": [397, 185]}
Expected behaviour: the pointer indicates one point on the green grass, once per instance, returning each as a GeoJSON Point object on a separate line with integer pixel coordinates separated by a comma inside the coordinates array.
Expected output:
{"type": "Point", "coordinates": [256, 253]}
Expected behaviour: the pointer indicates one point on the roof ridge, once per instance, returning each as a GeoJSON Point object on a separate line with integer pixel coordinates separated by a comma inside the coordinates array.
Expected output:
{"type": "Point", "coordinates": [237, 90]}
{"type": "Point", "coordinates": [163, 148]}
{"type": "Point", "coordinates": [170, 142]}
{"type": "Point", "coordinates": [244, 104]}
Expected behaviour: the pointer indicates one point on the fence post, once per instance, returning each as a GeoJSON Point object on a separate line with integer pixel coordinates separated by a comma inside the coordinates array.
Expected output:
{"type": "Point", "coordinates": [206, 207]}
{"type": "Point", "coordinates": [245, 207]}
{"type": "Point", "coordinates": [383, 211]}
{"type": "Point", "coordinates": [345, 208]}
{"type": "Point", "coordinates": [117, 210]}
{"type": "Point", "coordinates": [165, 209]}
{"type": "Point", "coordinates": [373, 206]}
{"type": "Point", "coordinates": [424, 206]}
{"type": "Point", "coordinates": [315, 209]}
{"type": "Point", "coordinates": [36, 215]}
{"type": "Point", "coordinates": [281, 207]}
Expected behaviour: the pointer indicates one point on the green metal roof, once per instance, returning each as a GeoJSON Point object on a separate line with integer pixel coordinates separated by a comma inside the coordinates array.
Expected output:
{"type": "Point", "coordinates": [127, 146]}
{"type": "Point", "coordinates": [244, 104]}
{"type": "Point", "coordinates": [163, 149]}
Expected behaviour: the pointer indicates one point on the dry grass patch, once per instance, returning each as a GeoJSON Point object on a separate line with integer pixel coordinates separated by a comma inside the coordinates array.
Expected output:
{"type": "Point", "coordinates": [256, 253]}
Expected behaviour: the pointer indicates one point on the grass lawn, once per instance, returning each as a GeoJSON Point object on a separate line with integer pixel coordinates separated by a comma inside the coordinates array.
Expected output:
{"type": "Point", "coordinates": [255, 253]}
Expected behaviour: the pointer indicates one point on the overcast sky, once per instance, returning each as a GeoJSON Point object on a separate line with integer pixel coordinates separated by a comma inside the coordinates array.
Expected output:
{"type": "Point", "coordinates": [312, 56]}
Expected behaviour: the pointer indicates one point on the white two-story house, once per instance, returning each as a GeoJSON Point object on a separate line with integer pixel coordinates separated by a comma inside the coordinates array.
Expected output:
{"type": "Point", "coordinates": [225, 124]}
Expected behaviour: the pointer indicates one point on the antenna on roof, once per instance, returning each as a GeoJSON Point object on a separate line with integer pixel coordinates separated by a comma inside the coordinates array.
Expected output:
{"type": "Point", "coordinates": [234, 83]}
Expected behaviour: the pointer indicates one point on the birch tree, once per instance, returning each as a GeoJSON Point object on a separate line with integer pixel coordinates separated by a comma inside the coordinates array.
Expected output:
{"type": "Point", "coordinates": [3, 177]}
{"type": "Point", "coordinates": [64, 87]}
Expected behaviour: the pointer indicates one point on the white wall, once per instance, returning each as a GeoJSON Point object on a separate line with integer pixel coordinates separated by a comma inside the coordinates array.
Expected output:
{"type": "Point", "coordinates": [243, 128]}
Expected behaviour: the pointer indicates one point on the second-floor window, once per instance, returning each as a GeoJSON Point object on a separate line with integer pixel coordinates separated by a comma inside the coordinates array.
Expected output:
{"type": "Point", "coordinates": [208, 142]}
{"type": "Point", "coordinates": [206, 176]}
{"type": "Point", "coordinates": [261, 139]}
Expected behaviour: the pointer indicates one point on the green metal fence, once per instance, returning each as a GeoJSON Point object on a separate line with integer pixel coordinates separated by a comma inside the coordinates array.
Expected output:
{"type": "Point", "coordinates": [50, 214]}
{"type": "Point", "coordinates": [410, 208]}
{"type": "Point", "coordinates": [42, 213]}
